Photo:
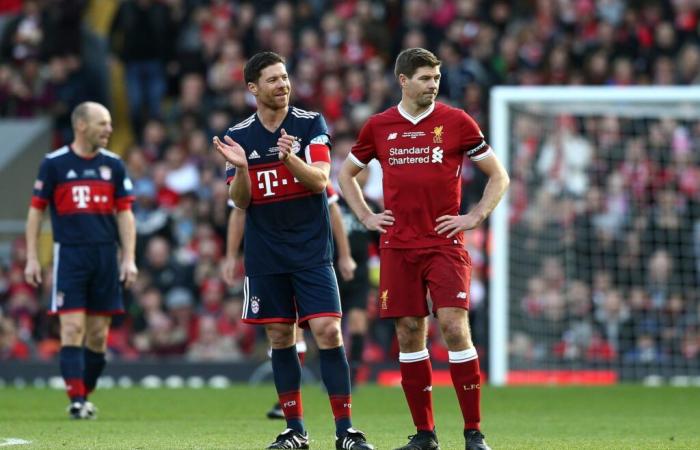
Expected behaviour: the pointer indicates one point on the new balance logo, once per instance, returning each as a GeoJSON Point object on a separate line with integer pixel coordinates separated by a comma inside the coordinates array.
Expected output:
{"type": "Point", "coordinates": [428, 389]}
{"type": "Point", "coordinates": [391, 136]}
{"type": "Point", "coordinates": [462, 295]}
{"type": "Point", "coordinates": [253, 155]}
{"type": "Point", "coordinates": [71, 174]}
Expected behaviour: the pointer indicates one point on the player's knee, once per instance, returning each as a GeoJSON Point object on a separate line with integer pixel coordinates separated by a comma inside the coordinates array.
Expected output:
{"type": "Point", "coordinates": [410, 328]}
{"type": "Point", "coordinates": [280, 335]}
{"type": "Point", "coordinates": [72, 333]}
{"type": "Point", "coordinates": [357, 322]}
{"type": "Point", "coordinates": [96, 339]}
{"type": "Point", "coordinates": [455, 335]}
{"type": "Point", "coordinates": [328, 334]}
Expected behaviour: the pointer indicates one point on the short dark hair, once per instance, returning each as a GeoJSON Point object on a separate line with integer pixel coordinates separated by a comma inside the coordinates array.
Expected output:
{"type": "Point", "coordinates": [411, 59]}
{"type": "Point", "coordinates": [256, 64]}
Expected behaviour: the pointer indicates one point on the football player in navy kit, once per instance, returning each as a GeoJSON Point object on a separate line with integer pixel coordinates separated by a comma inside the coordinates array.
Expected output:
{"type": "Point", "coordinates": [89, 194]}
{"type": "Point", "coordinates": [278, 164]}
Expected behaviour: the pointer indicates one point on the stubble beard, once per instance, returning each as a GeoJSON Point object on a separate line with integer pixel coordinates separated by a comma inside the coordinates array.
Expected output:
{"type": "Point", "coordinates": [424, 101]}
{"type": "Point", "coordinates": [96, 144]}
{"type": "Point", "coordinates": [274, 104]}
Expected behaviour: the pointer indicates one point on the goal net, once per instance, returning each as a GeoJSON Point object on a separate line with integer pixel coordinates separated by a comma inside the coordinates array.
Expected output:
{"type": "Point", "coordinates": [596, 247]}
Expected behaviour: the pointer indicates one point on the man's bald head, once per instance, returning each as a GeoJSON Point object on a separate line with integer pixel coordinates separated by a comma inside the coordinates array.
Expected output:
{"type": "Point", "coordinates": [84, 111]}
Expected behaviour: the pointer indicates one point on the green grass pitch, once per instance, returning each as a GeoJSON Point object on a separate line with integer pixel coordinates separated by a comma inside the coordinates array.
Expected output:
{"type": "Point", "coordinates": [622, 417]}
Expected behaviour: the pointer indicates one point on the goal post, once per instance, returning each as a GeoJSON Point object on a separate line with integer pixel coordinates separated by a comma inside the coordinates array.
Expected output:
{"type": "Point", "coordinates": [548, 299]}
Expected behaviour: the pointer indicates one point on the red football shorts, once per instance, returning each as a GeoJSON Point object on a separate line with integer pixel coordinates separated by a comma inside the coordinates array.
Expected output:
{"type": "Point", "coordinates": [407, 274]}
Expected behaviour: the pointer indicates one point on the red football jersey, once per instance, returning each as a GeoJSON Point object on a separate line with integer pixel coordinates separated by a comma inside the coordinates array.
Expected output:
{"type": "Point", "coordinates": [421, 159]}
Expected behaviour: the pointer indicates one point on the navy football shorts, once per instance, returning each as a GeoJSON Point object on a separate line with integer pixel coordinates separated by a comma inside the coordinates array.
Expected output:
{"type": "Point", "coordinates": [290, 297]}
{"type": "Point", "coordinates": [86, 279]}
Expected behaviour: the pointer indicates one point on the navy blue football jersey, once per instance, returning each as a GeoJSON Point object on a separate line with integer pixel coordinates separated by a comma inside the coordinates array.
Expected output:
{"type": "Point", "coordinates": [287, 226]}
{"type": "Point", "coordinates": [83, 194]}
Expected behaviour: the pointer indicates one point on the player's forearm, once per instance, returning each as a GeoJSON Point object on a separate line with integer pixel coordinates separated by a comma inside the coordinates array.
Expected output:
{"type": "Point", "coordinates": [339, 233]}
{"type": "Point", "coordinates": [127, 234]}
{"type": "Point", "coordinates": [495, 188]}
{"type": "Point", "coordinates": [234, 232]}
{"type": "Point", "coordinates": [313, 178]}
{"type": "Point", "coordinates": [240, 190]}
{"type": "Point", "coordinates": [31, 233]}
{"type": "Point", "coordinates": [352, 193]}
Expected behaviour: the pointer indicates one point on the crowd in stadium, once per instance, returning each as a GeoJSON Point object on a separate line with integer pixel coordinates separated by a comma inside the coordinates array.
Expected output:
{"type": "Point", "coordinates": [605, 258]}
{"type": "Point", "coordinates": [636, 199]}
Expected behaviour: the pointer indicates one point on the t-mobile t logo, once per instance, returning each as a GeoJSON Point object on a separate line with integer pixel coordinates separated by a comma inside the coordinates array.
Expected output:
{"type": "Point", "coordinates": [81, 196]}
{"type": "Point", "coordinates": [268, 179]}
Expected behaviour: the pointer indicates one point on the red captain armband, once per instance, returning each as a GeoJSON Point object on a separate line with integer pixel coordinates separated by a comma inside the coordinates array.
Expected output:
{"type": "Point", "coordinates": [124, 203]}
{"type": "Point", "coordinates": [318, 153]}
{"type": "Point", "coordinates": [39, 203]}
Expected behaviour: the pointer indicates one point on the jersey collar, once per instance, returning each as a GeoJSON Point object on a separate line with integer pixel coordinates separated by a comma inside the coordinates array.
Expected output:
{"type": "Point", "coordinates": [415, 119]}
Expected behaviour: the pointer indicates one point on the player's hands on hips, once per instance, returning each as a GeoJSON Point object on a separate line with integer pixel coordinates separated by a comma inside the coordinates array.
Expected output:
{"type": "Point", "coordinates": [346, 267]}
{"type": "Point", "coordinates": [231, 151]}
{"type": "Point", "coordinates": [32, 272]}
{"type": "Point", "coordinates": [379, 222]}
{"type": "Point", "coordinates": [228, 271]}
{"type": "Point", "coordinates": [128, 273]}
{"type": "Point", "coordinates": [457, 224]}
{"type": "Point", "coordinates": [286, 145]}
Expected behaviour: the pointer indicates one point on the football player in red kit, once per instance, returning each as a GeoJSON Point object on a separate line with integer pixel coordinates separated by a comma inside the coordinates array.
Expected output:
{"type": "Point", "coordinates": [420, 144]}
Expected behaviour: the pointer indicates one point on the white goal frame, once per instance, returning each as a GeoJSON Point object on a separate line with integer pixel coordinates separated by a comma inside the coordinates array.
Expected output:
{"type": "Point", "coordinates": [501, 98]}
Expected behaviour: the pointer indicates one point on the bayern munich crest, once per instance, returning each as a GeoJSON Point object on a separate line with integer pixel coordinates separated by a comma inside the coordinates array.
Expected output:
{"type": "Point", "coordinates": [105, 173]}
{"type": "Point", "coordinates": [255, 305]}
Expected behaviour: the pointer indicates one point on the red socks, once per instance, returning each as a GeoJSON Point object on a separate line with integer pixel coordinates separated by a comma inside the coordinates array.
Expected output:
{"type": "Point", "coordinates": [464, 368]}
{"type": "Point", "coordinates": [417, 383]}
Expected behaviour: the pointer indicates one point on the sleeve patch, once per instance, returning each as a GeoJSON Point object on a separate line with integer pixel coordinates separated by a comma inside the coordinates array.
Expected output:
{"type": "Point", "coordinates": [321, 139]}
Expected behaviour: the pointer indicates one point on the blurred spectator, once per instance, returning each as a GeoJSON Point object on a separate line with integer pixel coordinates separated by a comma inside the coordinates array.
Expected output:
{"type": "Point", "coordinates": [230, 324]}
{"type": "Point", "coordinates": [564, 158]}
{"type": "Point", "coordinates": [160, 265]}
{"type": "Point", "coordinates": [142, 35]}
{"type": "Point", "coordinates": [11, 346]}
{"type": "Point", "coordinates": [23, 36]}
{"type": "Point", "coordinates": [212, 346]}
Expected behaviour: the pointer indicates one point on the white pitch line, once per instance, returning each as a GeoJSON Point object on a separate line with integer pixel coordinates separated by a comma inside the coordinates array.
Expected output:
{"type": "Point", "coordinates": [6, 442]}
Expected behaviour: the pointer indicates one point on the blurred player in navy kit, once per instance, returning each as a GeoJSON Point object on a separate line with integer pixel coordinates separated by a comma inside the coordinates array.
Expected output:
{"type": "Point", "coordinates": [355, 291]}
{"type": "Point", "coordinates": [89, 194]}
{"type": "Point", "coordinates": [278, 163]}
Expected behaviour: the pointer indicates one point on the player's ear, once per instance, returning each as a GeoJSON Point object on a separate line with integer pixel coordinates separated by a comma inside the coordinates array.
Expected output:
{"type": "Point", "coordinates": [81, 124]}
{"type": "Point", "coordinates": [253, 88]}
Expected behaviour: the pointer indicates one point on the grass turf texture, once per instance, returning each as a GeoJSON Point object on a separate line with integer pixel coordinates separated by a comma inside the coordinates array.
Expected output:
{"type": "Point", "coordinates": [622, 417]}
